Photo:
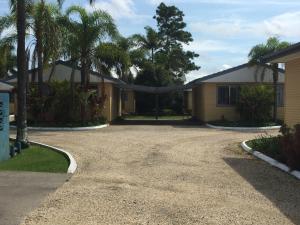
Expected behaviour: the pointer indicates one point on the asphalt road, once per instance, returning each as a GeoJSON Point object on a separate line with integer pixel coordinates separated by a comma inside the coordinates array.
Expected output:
{"type": "Point", "coordinates": [22, 192]}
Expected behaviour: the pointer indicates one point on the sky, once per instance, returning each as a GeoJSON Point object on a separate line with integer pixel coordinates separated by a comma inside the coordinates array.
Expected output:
{"type": "Point", "coordinates": [223, 30]}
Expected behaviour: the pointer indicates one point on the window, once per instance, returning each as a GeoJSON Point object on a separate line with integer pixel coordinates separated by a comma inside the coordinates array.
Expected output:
{"type": "Point", "coordinates": [227, 95]}
{"type": "Point", "coordinates": [223, 95]}
{"type": "Point", "coordinates": [280, 95]}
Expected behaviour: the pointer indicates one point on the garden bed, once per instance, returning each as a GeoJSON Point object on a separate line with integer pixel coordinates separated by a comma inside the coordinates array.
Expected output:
{"type": "Point", "coordinates": [226, 123]}
{"type": "Point", "coordinates": [268, 149]}
{"type": "Point", "coordinates": [63, 124]}
{"type": "Point", "coordinates": [37, 159]}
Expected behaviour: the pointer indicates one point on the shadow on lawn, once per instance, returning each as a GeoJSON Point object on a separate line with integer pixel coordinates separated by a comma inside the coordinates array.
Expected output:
{"type": "Point", "coordinates": [280, 188]}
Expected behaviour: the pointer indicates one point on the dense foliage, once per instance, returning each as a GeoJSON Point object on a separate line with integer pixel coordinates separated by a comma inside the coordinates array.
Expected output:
{"type": "Point", "coordinates": [61, 107]}
{"type": "Point", "coordinates": [284, 148]}
{"type": "Point", "coordinates": [290, 144]}
{"type": "Point", "coordinates": [255, 103]}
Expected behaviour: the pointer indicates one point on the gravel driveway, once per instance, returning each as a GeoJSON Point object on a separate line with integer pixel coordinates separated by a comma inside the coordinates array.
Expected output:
{"type": "Point", "coordinates": [166, 175]}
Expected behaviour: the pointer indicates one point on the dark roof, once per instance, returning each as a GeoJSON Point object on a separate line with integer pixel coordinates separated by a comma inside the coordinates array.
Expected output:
{"type": "Point", "coordinates": [223, 72]}
{"type": "Point", "coordinates": [287, 51]}
{"type": "Point", "coordinates": [68, 64]}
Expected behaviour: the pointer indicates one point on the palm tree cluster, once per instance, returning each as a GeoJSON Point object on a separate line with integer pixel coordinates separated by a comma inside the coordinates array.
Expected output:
{"type": "Point", "coordinates": [43, 33]}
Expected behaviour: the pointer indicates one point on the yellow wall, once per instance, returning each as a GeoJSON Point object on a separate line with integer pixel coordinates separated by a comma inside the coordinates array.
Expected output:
{"type": "Point", "coordinates": [205, 105]}
{"type": "Point", "coordinates": [112, 106]}
{"type": "Point", "coordinates": [129, 104]}
{"type": "Point", "coordinates": [292, 93]}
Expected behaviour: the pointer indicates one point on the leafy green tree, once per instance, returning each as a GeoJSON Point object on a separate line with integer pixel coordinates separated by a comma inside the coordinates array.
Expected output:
{"type": "Point", "coordinates": [172, 34]}
{"type": "Point", "coordinates": [272, 45]}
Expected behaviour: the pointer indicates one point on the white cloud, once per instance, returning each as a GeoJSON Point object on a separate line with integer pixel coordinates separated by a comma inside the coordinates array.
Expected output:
{"type": "Point", "coordinates": [116, 8]}
{"type": "Point", "coordinates": [204, 46]}
{"type": "Point", "coordinates": [229, 2]}
{"type": "Point", "coordinates": [283, 25]}
{"type": "Point", "coordinates": [226, 67]}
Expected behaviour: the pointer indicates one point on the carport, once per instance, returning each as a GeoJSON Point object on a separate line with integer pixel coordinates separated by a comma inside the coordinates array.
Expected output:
{"type": "Point", "coordinates": [157, 91]}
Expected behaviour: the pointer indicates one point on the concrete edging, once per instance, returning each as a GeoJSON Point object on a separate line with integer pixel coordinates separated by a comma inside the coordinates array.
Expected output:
{"type": "Point", "coordinates": [270, 160]}
{"type": "Point", "coordinates": [243, 128]}
{"type": "Point", "coordinates": [72, 166]}
{"type": "Point", "coordinates": [64, 128]}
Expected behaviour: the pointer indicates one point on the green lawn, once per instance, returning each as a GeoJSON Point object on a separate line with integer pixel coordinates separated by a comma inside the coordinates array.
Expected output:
{"type": "Point", "coordinates": [37, 159]}
{"type": "Point", "coordinates": [148, 117]}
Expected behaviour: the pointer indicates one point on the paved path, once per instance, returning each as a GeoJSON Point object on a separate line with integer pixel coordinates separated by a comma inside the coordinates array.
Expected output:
{"type": "Point", "coordinates": [166, 175]}
{"type": "Point", "coordinates": [22, 192]}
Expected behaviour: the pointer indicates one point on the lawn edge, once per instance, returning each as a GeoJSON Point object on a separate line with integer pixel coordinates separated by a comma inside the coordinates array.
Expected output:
{"type": "Point", "coordinates": [270, 160]}
{"type": "Point", "coordinates": [243, 128]}
{"type": "Point", "coordinates": [65, 128]}
{"type": "Point", "coordinates": [72, 162]}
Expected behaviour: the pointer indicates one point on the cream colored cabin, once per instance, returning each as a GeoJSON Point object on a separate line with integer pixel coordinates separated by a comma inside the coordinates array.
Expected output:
{"type": "Point", "coordinates": [214, 96]}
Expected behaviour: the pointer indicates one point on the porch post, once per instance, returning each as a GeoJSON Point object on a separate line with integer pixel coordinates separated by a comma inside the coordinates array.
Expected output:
{"type": "Point", "coordinates": [156, 106]}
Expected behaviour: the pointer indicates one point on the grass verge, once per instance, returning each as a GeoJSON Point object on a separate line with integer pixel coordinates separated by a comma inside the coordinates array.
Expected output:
{"type": "Point", "coordinates": [37, 159]}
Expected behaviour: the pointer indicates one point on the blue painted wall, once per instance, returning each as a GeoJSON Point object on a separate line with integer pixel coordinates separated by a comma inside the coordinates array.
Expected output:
{"type": "Point", "coordinates": [4, 126]}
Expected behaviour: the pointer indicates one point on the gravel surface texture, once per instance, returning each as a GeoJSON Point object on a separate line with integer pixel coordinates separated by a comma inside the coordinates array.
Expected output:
{"type": "Point", "coordinates": [178, 174]}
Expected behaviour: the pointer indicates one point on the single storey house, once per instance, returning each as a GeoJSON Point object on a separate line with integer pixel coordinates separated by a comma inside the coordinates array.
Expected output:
{"type": "Point", "coordinates": [215, 96]}
{"type": "Point", "coordinates": [63, 71]}
{"type": "Point", "coordinates": [291, 57]}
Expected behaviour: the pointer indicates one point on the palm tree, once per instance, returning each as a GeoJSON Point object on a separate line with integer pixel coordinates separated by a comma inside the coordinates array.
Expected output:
{"type": "Point", "coordinates": [149, 42]}
{"type": "Point", "coordinates": [273, 44]}
{"type": "Point", "coordinates": [19, 6]}
{"type": "Point", "coordinates": [46, 45]}
{"type": "Point", "coordinates": [85, 34]}
{"type": "Point", "coordinates": [44, 23]}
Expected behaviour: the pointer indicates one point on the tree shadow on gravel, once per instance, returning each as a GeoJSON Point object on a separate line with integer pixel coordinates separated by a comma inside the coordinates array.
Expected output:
{"type": "Point", "coordinates": [280, 188]}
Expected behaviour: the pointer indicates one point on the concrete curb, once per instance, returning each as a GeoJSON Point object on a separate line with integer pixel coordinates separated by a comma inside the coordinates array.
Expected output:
{"type": "Point", "coordinates": [72, 166]}
{"type": "Point", "coordinates": [243, 128]}
{"type": "Point", "coordinates": [270, 160]}
{"type": "Point", "coordinates": [64, 128]}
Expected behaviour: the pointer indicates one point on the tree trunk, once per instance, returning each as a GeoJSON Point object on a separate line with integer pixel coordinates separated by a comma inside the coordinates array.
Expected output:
{"type": "Point", "coordinates": [21, 64]}
{"type": "Point", "coordinates": [275, 84]}
{"type": "Point", "coordinates": [39, 43]}
{"type": "Point", "coordinates": [40, 61]}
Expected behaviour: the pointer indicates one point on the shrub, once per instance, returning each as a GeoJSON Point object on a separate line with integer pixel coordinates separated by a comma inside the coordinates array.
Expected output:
{"type": "Point", "coordinates": [255, 103]}
{"type": "Point", "coordinates": [290, 145]}
{"type": "Point", "coordinates": [64, 106]}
